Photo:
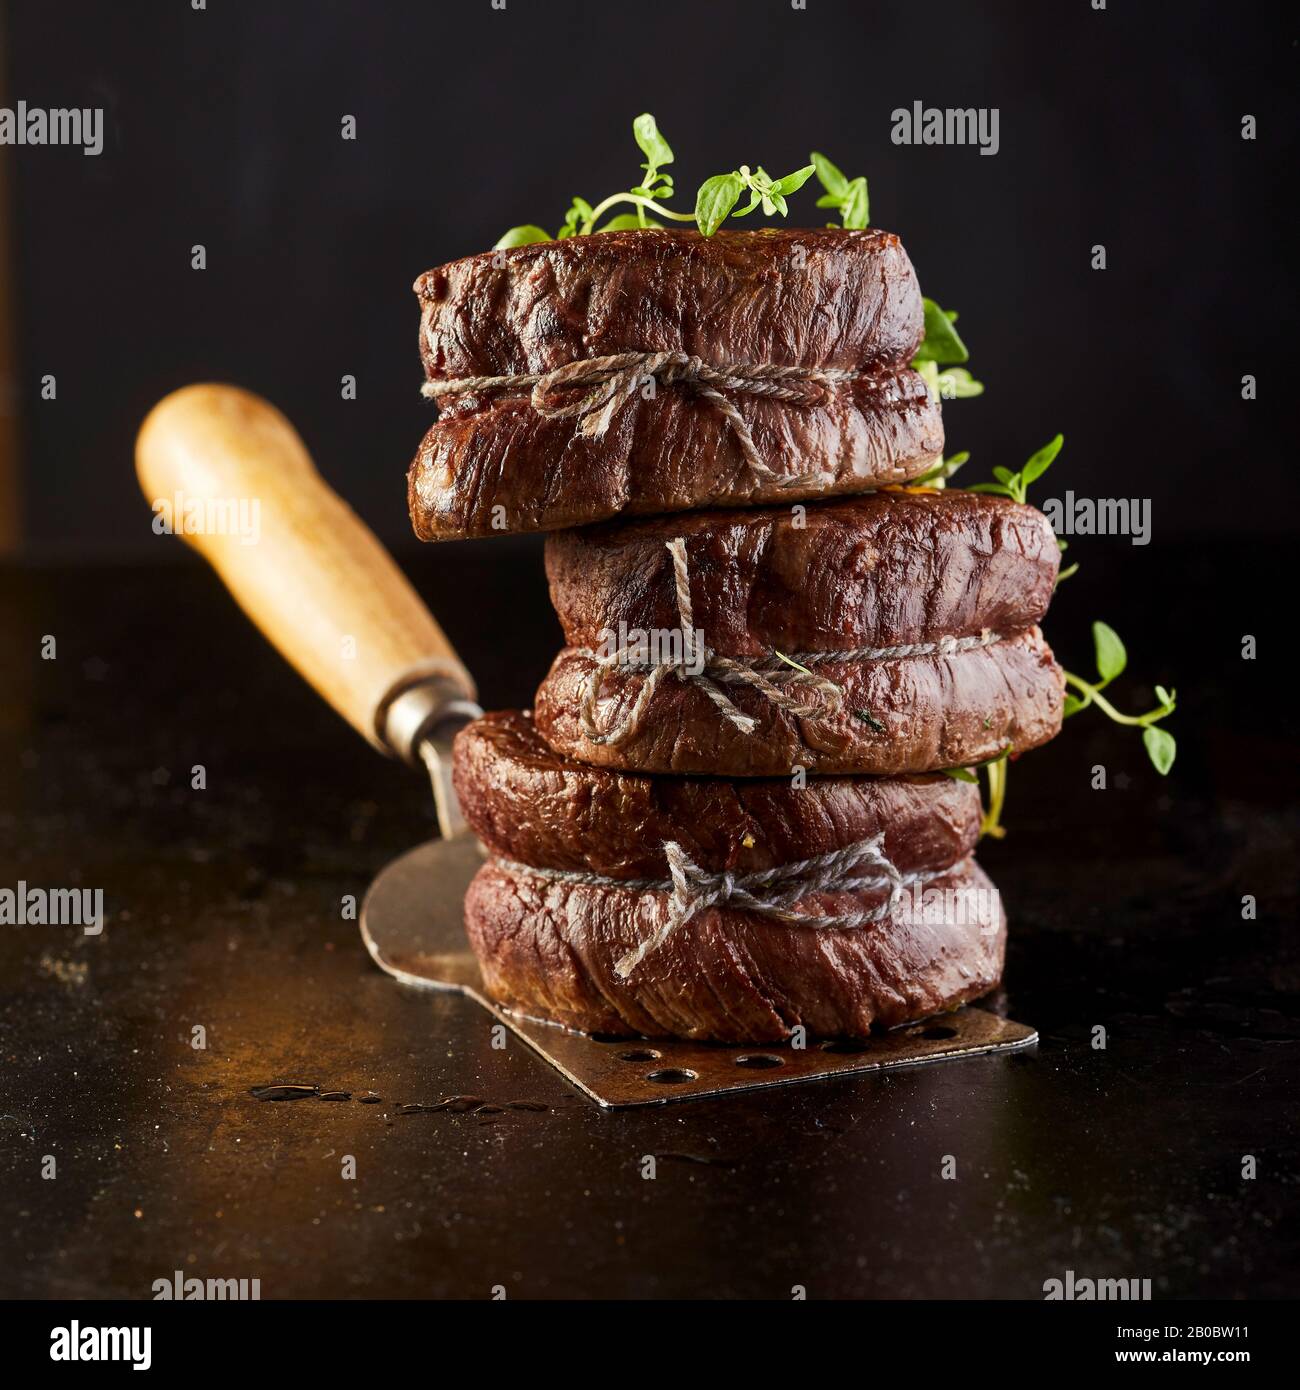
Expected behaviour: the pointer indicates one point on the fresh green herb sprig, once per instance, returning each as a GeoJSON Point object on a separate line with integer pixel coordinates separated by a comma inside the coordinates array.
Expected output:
{"type": "Point", "coordinates": [790, 661]}
{"type": "Point", "coordinates": [715, 200]}
{"type": "Point", "coordinates": [523, 235]}
{"type": "Point", "coordinates": [940, 351]}
{"type": "Point", "coordinates": [938, 476]}
{"type": "Point", "coordinates": [656, 185]}
{"type": "Point", "coordinates": [1112, 658]}
{"type": "Point", "coordinates": [950, 383]}
{"type": "Point", "coordinates": [942, 343]}
{"type": "Point", "coordinates": [1111, 655]}
{"type": "Point", "coordinates": [1160, 744]}
{"type": "Point", "coordinates": [1016, 485]}
{"type": "Point", "coordinates": [995, 771]}
{"type": "Point", "coordinates": [848, 196]}
{"type": "Point", "coordinates": [718, 196]}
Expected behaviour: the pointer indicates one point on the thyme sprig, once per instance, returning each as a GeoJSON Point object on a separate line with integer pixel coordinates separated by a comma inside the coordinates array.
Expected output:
{"type": "Point", "coordinates": [995, 770]}
{"type": "Point", "coordinates": [1110, 653]}
{"type": "Point", "coordinates": [718, 196]}
{"type": "Point", "coordinates": [848, 196]}
{"type": "Point", "coordinates": [940, 351]}
{"type": "Point", "coordinates": [938, 476]}
{"type": "Point", "coordinates": [1111, 658]}
{"type": "Point", "coordinates": [1016, 485]}
{"type": "Point", "coordinates": [715, 200]}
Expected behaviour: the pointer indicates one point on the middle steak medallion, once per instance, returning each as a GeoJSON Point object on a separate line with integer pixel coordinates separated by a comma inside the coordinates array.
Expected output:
{"type": "Point", "coordinates": [886, 634]}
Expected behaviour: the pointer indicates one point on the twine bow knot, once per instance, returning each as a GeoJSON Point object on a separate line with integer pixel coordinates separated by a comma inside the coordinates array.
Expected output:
{"type": "Point", "coordinates": [774, 892]}
{"type": "Point", "coordinates": [613, 381]}
{"type": "Point", "coordinates": [707, 669]}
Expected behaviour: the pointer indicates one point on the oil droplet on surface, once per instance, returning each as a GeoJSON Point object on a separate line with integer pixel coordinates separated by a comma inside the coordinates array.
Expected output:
{"type": "Point", "coordinates": [283, 1092]}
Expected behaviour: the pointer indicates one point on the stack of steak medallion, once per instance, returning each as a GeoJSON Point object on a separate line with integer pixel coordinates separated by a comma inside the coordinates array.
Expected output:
{"type": "Point", "coordinates": [728, 815]}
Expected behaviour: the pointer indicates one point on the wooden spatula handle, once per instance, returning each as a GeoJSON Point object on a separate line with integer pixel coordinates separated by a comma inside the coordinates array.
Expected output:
{"type": "Point", "coordinates": [300, 562]}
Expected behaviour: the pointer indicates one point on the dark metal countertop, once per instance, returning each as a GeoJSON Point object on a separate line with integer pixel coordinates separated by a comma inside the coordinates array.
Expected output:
{"type": "Point", "coordinates": [224, 911]}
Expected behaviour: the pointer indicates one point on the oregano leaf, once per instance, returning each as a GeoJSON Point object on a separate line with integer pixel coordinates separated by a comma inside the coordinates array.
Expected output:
{"type": "Point", "coordinates": [653, 145]}
{"type": "Point", "coordinates": [523, 235]}
{"type": "Point", "coordinates": [715, 200]}
{"type": "Point", "coordinates": [831, 179]}
{"type": "Point", "coordinates": [792, 183]}
{"type": "Point", "coordinates": [942, 343]}
{"type": "Point", "coordinates": [1161, 748]}
{"type": "Point", "coordinates": [1042, 460]}
{"type": "Point", "coordinates": [855, 213]}
{"type": "Point", "coordinates": [1111, 656]}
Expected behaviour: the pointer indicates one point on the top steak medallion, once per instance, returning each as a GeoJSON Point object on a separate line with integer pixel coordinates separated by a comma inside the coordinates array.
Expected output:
{"type": "Point", "coordinates": [792, 296]}
{"type": "Point", "coordinates": [814, 300]}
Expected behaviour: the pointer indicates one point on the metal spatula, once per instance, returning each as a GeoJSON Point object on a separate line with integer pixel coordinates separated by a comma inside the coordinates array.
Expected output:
{"type": "Point", "coordinates": [325, 593]}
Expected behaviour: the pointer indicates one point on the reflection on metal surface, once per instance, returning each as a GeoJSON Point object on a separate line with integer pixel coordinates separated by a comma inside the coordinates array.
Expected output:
{"type": "Point", "coordinates": [411, 924]}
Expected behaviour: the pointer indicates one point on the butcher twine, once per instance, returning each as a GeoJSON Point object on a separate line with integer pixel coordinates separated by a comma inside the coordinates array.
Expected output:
{"type": "Point", "coordinates": [614, 380]}
{"type": "Point", "coordinates": [717, 670]}
{"type": "Point", "coordinates": [769, 892]}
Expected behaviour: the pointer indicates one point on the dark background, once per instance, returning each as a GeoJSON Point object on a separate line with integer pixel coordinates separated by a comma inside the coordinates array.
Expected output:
{"type": "Point", "coordinates": [1119, 127]}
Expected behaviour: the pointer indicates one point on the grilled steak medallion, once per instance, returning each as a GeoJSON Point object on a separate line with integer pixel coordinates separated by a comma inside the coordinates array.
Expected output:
{"type": "Point", "coordinates": [789, 296]}
{"type": "Point", "coordinates": [876, 571]}
{"type": "Point", "coordinates": [899, 715]}
{"type": "Point", "coordinates": [551, 950]}
{"type": "Point", "coordinates": [812, 299]}
{"type": "Point", "coordinates": [527, 803]}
